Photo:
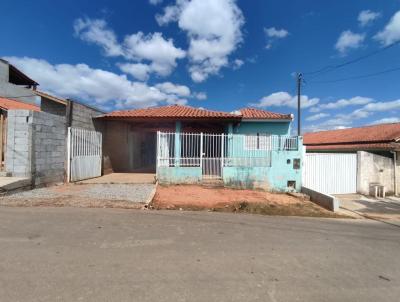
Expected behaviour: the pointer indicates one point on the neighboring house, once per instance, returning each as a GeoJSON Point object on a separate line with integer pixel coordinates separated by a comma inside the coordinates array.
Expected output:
{"type": "Point", "coordinates": [33, 139]}
{"type": "Point", "coordinates": [360, 157]}
{"type": "Point", "coordinates": [5, 106]}
{"type": "Point", "coordinates": [249, 148]}
{"type": "Point", "coordinates": [16, 85]}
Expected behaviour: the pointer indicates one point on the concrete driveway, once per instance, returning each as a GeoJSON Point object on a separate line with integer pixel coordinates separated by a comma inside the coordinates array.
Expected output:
{"type": "Point", "coordinates": [77, 254]}
{"type": "Point", "coordinates": [387, 209]}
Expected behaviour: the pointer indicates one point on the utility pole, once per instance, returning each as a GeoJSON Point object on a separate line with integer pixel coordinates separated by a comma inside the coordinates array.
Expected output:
{"type": "Point", "coordinates": [299, 80]}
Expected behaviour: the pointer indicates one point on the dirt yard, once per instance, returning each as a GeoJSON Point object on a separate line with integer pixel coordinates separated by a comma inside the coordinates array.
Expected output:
{"type": "Point", "coordinates": [191, 197]}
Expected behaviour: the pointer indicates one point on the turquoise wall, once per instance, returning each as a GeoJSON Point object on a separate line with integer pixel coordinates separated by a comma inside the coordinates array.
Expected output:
{"type": "Point", "coordinates": [273, 178]}
{"type": "Point", "coordinates": [179, 175]}
{"type": "Point", "coordinates": [274, 128]}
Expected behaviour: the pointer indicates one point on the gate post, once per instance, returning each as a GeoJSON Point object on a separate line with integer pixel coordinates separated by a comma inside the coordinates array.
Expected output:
{"type": "Point", "coordinates": [68, 154]}
{"type": "Point", "coordinates": [222, 152]}
{"type": "Point", "coordinates": [201, 151]}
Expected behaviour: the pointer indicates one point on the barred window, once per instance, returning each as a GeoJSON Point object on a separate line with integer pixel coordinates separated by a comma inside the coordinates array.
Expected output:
{"type": "Point", "coordinates": [259, 141]}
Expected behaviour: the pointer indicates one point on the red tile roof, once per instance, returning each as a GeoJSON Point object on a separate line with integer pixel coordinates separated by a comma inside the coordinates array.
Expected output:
{"type": "Point", "coordinates": [252, 113]}
{"type": "Point", "coordinates": [370, 137]}
{"type": "Point", "coordinates": [9, 104]}
{"type": "Point", "coordinates": [178, 111]}
{"type": "Point", "coordinates": [170, 112]}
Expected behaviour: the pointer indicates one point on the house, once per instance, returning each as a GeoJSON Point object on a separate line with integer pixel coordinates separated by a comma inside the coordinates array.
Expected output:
{"type": "Point", "coordinates": [34, 138]}
{"type": "Point", "coordinates": [371, 155]}
{"type": "Point", "coordinates": [5, 106]}
{"type": "Point", "coordinates": [248, 148]}
{"type": "Point", "coordinates": [16, 85]}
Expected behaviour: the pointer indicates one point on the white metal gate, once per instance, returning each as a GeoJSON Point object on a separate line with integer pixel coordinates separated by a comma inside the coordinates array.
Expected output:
{"type": "Point", "coordinates": [84, 154]}
{"type": "Point", "coordinates": [331, 173]}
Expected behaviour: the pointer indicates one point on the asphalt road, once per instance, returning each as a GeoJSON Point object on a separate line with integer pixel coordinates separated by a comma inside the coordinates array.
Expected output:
{"type": "Point", "coordinates": [74, 254]}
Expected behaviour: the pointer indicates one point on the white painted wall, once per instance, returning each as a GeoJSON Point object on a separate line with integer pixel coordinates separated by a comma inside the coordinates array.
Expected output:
{"type": "Point", "coordinates": [374, 168]}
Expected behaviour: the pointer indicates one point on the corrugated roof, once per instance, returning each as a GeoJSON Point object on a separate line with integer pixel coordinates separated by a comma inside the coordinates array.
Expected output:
{"type": "Point", "coordinates": [173, 111]}
{"type": "Point", "coordinates": [375, 133]}
{"type": "Point", "coordinates": [253, 113]}
{"type": "Point", "coordinates": [9, 104]}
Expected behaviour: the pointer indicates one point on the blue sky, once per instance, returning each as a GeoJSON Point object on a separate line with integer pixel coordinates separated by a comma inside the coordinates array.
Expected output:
{"type": "Point", "coordinates": [215, 54]}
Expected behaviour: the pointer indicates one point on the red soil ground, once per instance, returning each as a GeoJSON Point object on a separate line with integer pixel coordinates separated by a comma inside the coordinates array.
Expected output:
{"type": "Point", "coordinates": [191, 197]}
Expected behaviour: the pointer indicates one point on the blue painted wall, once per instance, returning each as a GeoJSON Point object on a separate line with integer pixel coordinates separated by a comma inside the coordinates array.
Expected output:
{"type": "Point", "coordinates": [274, 128]}
{"type": "Point", "coordinates": [273, 178]}
{"type": "Point", "coordinates": [179, 175]}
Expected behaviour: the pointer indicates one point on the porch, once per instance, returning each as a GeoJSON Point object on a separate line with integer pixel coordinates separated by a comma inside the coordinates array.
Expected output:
{"type": "Point", "coordinates": [269, 162]}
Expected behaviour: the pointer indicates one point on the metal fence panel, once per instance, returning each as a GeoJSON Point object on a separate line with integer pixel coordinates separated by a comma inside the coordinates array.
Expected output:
{"type": "Point", "coordinates": [212, 152]}
{"type": "Point", "coordinates": [84, 153]}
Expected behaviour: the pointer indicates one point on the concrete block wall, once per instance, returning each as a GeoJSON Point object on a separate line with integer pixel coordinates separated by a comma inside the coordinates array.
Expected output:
{"type": "Point", "coordinates": [374, 168]}
{"type": "Point", "coordinates": [19, 138]}
{"type": "Point", "coordinates": [82, 117]}
{"type": "Point", "coordinates": [36, 146]}
{"type": "Point", "coordinates": [48, 148]}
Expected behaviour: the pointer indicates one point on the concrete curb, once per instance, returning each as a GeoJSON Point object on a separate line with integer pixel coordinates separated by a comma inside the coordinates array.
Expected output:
{"type": "Point", "coordinates": [326, 201]}
{"type": "Point", "coordinates": [152, 193]}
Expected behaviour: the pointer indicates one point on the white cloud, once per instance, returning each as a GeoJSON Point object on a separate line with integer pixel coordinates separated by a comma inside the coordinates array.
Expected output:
{"type": "Point", "coordinates": [237, 63]}
{"type": "Point", "coordinates": [366, 17]}
{"type": "Point", "coordinates": [317, 117]}
{"type": "Point", "coordinates": [200, 95]}
{"type": "Point", "coordinates": [97, 32]}
{"type": "Point", "coordinates": [171, 88]}
{"type": "Point", "coordinates": [96, 86]}
{"type": "Point", "coordinates": [284, 99]}
{"type": "Point", "coordinates": [358, 100]}
{"type": "Point", "coordinates": [155, 2]}
{"type": "Point", "coordinates": [273, 32]}
{"type": "Point", "coordinates": [386, 120]}
{"type": "Point", "coordinates": [139, 71]}
{"type": "Point", "coordinates": [383, 106]}
{"type": "Point", "coordinates": [347, 119]}
{"type": "Point", "coordinates": [213, 29]}
{"type": "Point", "coordinates": [158, 53]}
{"type": "Point", "coordinates": [349, 40]}
{"type": "Point", "coordinates": [391, 33]}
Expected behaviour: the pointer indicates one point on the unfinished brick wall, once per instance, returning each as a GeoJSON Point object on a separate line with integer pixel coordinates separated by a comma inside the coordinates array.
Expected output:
{"type": "Point", "coordinates": [36, 146]}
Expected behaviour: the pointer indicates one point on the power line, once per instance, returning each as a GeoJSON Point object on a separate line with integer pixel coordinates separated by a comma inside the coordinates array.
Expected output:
{"type": "Point", "coordinates": [330, 68]}
{"type": "Point", "coordinates": [358, 77]}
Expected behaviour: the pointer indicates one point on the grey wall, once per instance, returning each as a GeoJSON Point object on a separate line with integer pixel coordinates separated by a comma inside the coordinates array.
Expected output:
{"type": "Point", "coordinates": [374, 168]}
{"type": "Point", "coordinates": [52, 107]}
{"type": "Point", "coordinates": [14, 91]}
{"type": "Point", "coordinates": [82, 117]}
{"type": "Point", "coordinates": [36, 146]}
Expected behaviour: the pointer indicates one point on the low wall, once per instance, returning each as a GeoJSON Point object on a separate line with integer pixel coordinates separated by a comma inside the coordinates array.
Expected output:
{"type": "Point", "coordinates": [179, 175]}
{"type": "Point", "coordinates": [286, 167]}
{"type": "Point", "coordinates": [36, 146]}
{"type": "Point", "coordinates": [326, 201]}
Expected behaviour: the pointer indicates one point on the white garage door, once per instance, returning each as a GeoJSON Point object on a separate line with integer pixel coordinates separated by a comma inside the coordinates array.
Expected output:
{"type": "Point", "coordinates": [331, 173]}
